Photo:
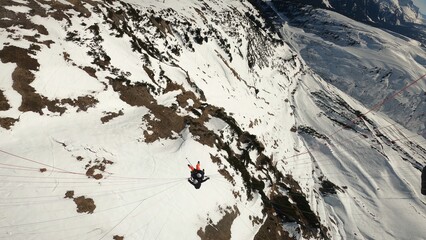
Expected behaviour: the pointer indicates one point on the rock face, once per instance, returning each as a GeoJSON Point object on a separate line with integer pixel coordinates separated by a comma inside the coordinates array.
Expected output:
{"type": "Point", "coordinates": [386, 12]}
{"type": "Point", "coordinates": [400, 16]}
{"type": "Point", "coordinates": [338, 49]}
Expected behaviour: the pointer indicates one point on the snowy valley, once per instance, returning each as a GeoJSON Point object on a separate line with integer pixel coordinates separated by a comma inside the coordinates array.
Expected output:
{"type": "Point", "coordinates": [103, 104]}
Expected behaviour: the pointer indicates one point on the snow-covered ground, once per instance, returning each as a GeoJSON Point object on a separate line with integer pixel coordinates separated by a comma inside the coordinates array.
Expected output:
{"type": "Point", "coordinates": [368, 63]}
{"type": "Point", "coordinates": [383, 191]}
{"type": "Point", "coordinates": [102, 150]}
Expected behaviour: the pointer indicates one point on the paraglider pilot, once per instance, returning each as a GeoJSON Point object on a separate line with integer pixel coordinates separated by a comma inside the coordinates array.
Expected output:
{"type": "Point", "coordinates": [197, 176]}
{"type": "Point", "coordinates": [424, 181]}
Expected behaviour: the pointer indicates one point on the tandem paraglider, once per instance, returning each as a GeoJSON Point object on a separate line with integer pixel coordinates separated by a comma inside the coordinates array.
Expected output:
{"type": "Point", "coordinates": [197, 176]}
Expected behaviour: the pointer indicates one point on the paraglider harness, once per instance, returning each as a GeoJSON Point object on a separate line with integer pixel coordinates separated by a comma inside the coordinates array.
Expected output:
{"type": "Point", "coordinates": [197, 176]}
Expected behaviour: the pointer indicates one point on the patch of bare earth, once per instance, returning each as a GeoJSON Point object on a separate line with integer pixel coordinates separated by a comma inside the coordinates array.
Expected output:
{"type": "Point", "coordinates": [22, 78]}
{"type": "Point", "coordinates": [255, 220]}
{"type": "Point", "coordinates": [95, 171]}
{"type": "Point", "coordinates": [222, 229]}
{"type": "Point", "coordinates": [162, 121]}
{"type": "Point", "coordinates": [89, 70]}
{"type": "Point", "coordinates": [201, 111]}
{"type": "Point", "coordinates": [84, 205]}
{"type": "Point", "coordinates": [4, 104]}
{"type": "Point", "coordinates": [272, 229]}
{"type": "Point", "coordinates": [110, 115]}
{"type": "Point", "coordinates": [223, 171]}
{"type": "Point", "coordinates": [162, 124]}
{"type": "Point", "coordinates": [7, 122]}
{"type": "Point", "coordinates": [227, 176]}
{"type": "Point", "coordinates": [69, 194]}
{"type": "Point", "coordinates": [20, 56]}
{"type": "Point", "coordinates": [82, 103]}
{"type": "Point", "coordinates": [150, 73]}
{"type": "Point", "coordinates": [162, 25]}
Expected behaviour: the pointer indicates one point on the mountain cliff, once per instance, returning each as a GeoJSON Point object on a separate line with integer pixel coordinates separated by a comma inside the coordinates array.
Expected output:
{"type": "Point", "coordinates": [400, 16]}
{"type": "Point", "coordinates": [363, 61]}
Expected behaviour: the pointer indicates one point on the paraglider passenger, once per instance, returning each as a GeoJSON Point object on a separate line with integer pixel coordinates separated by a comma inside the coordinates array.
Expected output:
{"type": "Point", "coordinates": [197, 176]}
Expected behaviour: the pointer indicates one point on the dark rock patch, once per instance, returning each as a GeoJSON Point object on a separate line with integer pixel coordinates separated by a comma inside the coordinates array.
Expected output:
{"type": "Point", "coordinates": [271, 229]}
{"type": "Point", "coordinates": [85, 205]}
{"type": "Point", "coordinates": [20, 56]}
{"type": "Point", "coordinates": [310, 131]}
{"type": "Point", "coordinates": [162, 25]}
{"type": "Point", "coordinates": [7, 122]}
{"type": "Point", "coordinates": [83, 103]}
{"type": "Point", "coordinates": [162, 121]}
{"type": "Point", "coordinates": [93, 171]}
{"type": "Point", "coordinates": [110, 115]}
{"type": "Point", "coordinates": [221, 230]}
{"type": "Point", "coordinates": [4, 104]}
{"type": "Point", "coordinates": [69, 194]}
{"type": "Point", "coordinates": [328, 188]}
{"type": "Point", "coordinates": [91, 71]}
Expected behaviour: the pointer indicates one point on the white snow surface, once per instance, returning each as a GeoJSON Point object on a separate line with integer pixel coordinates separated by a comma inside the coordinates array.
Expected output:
{"type": "Point", "coordinates": [20, 9]}
{"type": "Point", "coordinates": [144, 193]}
{"type": "Point", "coordinates": [366, 62]}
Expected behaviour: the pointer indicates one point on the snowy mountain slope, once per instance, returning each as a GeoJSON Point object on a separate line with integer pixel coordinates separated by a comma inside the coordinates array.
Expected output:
{"type": "Point", "coordinates": [369, 170]}
{"type": "Point", "coordinates": [104, 103]}
{"type": "Point", "coordinates": [402, 17]}
{"type": "Point", "coordinates": [149, 99]}
{"type": "Point", "coordinates": [392, 12]}
{"type": "Point", "coordinates": [395, 12]}
{"type": "Point", "coordinates": [354, 57]}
